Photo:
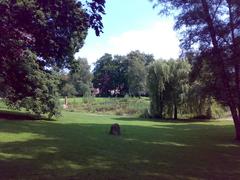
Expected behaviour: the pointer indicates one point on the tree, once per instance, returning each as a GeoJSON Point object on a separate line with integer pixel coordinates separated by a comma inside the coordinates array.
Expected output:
{"type": "Point", "coordinates": [146, 59]}
{"type": "Point", "coordinates": [49, 32]}
{"type": "Point", "coordinates": [136, 77]}
{"type": "Point", "coordinates": [158, 75]}
{"type": "Point", "coordinates": [81, 77]}
{"type": "Point", "coordinates": [177, 85]}
{"type": "Point", "coordinates": [102, 73]}
{"type": "Point", "coordinates": [168, 84]}
{"type": "Point", "coordinates": [31, 87]}
{"type": "Point", "coordinates": [202, 89]}
{"type": "Point", "coordinates": [210, 29]}
{"type": "Point", "coordinates": [120, 74]}
{"type": "Point", "coordinates": [68, 90]}
{"type": "Point", "coordinates": [111, 75]}
{"type": "Point", "coordinates": [137, 63]}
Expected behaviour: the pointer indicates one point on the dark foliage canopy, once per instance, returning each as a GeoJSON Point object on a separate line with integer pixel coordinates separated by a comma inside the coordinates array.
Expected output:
{"type": "Point", "coordinates": [122, 74]}
{"type": "Point", "coordinates": [49, 31]}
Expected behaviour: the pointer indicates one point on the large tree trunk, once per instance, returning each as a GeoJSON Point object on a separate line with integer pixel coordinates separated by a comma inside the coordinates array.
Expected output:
{"type": "Point", "coordinates": [236, 120]}
{"type": "Point", "coordinates": [229, 94]}
{"type": "Point", "coordinates": [237, 129]}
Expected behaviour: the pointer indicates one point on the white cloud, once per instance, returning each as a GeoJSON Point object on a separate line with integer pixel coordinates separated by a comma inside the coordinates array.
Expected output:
{"type": "Point", "coordinates": [158, 39]}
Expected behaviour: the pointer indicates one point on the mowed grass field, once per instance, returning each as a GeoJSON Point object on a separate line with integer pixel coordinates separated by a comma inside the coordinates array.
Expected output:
{"type": "Point", "coordinates": [78, 146]}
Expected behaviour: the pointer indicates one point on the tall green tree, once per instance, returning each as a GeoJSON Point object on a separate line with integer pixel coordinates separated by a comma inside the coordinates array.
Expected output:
{"type": "Point", "coordinates": [81, 77]}
{"type": "Point", "coordinates": [168, 87]}
{"type": "Point", "coordinates": [137, 63]}
{"type": "Point", "coordinates": [103, 74]}
{"type": "Point", "coordinates": [68, 90]}
{"type": "Point", "coordinates": [111, 75]}
{"type": "Point", "coordinates": [177, 86]}
{"type": "Point", "coordinates": [202, 89]}
{"type": "Point", "coordinates": [210, 29]}
{"type": "Point", "coordinates": [158, 76]}
{"type": "Point", "coordinates": [120, 74]}
{"type": "Point", "coordinates": [49, 32]}
{"type": "Point", "coordinates": [36, 90]}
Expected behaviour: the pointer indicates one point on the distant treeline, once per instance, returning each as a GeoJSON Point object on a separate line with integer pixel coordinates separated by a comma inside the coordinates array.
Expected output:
{"type": "Point", "coordinates": [173, 85]}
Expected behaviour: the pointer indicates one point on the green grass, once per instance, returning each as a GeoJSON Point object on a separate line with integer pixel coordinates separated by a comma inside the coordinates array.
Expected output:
{"type": "Point", "coordinates": [78, 146]}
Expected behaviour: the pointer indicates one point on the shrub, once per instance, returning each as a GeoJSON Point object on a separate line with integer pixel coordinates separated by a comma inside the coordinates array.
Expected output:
{"type": "Point", "coordinates": [87, 99]}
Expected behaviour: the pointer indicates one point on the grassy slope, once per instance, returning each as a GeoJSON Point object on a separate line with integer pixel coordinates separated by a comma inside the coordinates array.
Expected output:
{"type": "Point", "coordinates": [78, 147]}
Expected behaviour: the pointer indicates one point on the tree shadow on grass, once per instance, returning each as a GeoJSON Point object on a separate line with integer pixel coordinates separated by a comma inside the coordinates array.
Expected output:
{"type": "Point", "coordinates": [57, 150]}
{"type": "Point", "coordinates": [10, 115]}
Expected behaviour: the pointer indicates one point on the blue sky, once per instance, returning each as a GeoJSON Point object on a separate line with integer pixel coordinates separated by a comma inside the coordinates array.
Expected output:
{"type": "Point", "coordinates": [132, 25]}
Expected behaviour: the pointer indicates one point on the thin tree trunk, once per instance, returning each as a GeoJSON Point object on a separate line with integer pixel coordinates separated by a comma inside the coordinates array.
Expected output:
{"type": "Point", "coordinates": [236, 120]}
{"type": "Point", "coordinates": [161, 110]}
{"type": "Point", "coordinates": [209, 109]}
{"type": "Point", "coordinates": [66, 100]}
{"type": "Point", "coordinates": [175, 110]}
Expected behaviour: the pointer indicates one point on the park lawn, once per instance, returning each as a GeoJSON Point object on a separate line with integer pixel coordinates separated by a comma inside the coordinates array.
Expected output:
{"type": "Point", "coordinates": [78, 146]}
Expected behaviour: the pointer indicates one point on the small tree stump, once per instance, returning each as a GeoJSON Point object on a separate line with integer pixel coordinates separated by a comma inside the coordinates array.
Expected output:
{"type": "Point", "coordinates": [115, 130]}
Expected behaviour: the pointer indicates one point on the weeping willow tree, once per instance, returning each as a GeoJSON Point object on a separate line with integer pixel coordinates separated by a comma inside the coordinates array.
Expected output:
{"type": "Point", "coordinates": [158, 75]}
{"type": "Point", "coordinates": [167, 83]}
{"type": "Point", "coordinates": [177, 87]}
